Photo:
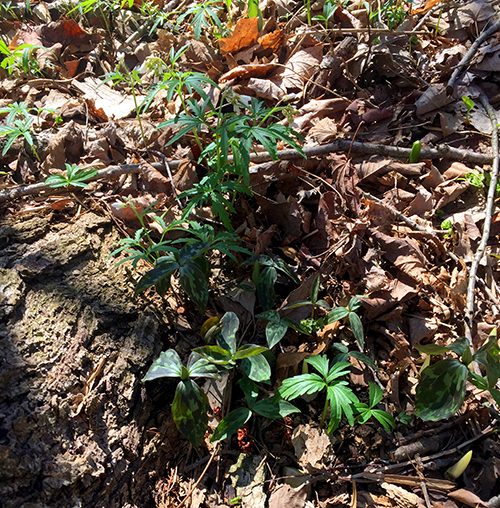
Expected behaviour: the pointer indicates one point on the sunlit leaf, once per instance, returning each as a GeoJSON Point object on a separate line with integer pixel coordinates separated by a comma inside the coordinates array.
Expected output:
{"type": "Point", "coordinates": [231, 423]}
{"type": "Point", "coordinates": [257, 369]}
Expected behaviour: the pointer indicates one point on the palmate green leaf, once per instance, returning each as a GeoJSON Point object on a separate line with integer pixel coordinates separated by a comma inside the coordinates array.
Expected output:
{"type": "Point", "coordinates": [320, 363]}
{"type": "Point", "coordinates": [265, 287]}
{"type": "Point", "coordinates": [337, 370]}
{"type": "Point", "coordinates": [357, 329]}
{"type": "Point", "coordinates": [214, 354]}
{"type": "Point", "coordinates": [341, 399]}
{"type": "Point", "coordinates": [257, 368]}
{"type": "Point", "coordinates": [168, 364]}
{"type": "Point", "coordinates": [189, 410]}
{"type": "Point", "coordinates": [305, 384]}
{"type": "Point", "coordinates": [274, 408]}
{"type": "Point", "coordinates": [195, 283]}
{"type": "Point", "coordinates": [231, 423]}
{"type": "Point", "coordinates": [385, 419]}
{"type": "Point", "coordinates": [375, 394]}
{"type": "Point", "coordinates": [441, 390]}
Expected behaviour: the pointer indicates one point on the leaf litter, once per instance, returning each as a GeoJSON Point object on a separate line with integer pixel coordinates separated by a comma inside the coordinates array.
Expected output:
{"type": "Point", "coordinates": [368, 224]}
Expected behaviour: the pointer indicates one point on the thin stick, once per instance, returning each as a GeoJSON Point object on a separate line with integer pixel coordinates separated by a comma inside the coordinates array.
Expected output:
{"type": "Point", "coordinates": [188, 495]}
{"type": "Point", "coordinates": [450, 87]}
{"type": "Point", "coordinates": [490, 204]}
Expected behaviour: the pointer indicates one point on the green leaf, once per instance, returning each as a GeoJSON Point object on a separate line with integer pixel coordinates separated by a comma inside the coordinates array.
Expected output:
{"type": "Point", "coordinates": [363, 358]}
{"type": "Point", "coordinates": [341, 399]}
{"type": "Point", "coordinates": [231, 423]}
{"type": "Point", "coordinates": [375, 394]}
{"type": "Point", "coordinates": [214, 354]}
{"type": "Point", "coordinates": [337, 314]}
{"type": "Point", "coordinates": [257, 369]}
{"type": "Point", "coordinates": [248, 350]}
{"type": "Point", "coordinates": [201, 367]}
{"type": "Point", "coordinates": [385, 419]}
{"type": "Point", "coordinates": [337, 370]}
{"type": "Point", "coordinates": [305, 384]}
{"type": "Point", "coordinates": [432, 349]}
{"type": "Point", "coordinates": [459, 346]}
{"type": "Point", "coordinates": [478, 381]}
{"type": "Point", "coordinates": [354, 304]}
{"type": "Point", "coordinates": [168, 364]}
{"type": "Point", "coordinates": [357, 329]}
{"type": "Point", "coordinates": [250, 389]}
{"type": "Point", "coordinates": [441, 390]}
{"type": "Point", "coordinates": [227, 337]}
{"type": "Point", "coordinates": [315, 289]}
{"type": "Point", "coordinates": [275, 329]}
{"type": "Point", "coordinates": [274, 408]}
{"type": "Point", "coordinates": [153, 276]}
{"type": "Point", "coordinates": [189, 410]}
{"type": "Point", "coordinates": [194, 283]}
{"type": "Point", "coordinates": [265, 287]}
{"type": "Point", "coordinates": [320, 363]}
{"type": "Point", "coordinates": [495, 393]}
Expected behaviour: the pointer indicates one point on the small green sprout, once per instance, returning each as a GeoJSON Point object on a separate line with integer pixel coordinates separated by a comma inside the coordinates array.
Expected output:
{"type": "Point", "coordinates": [447, 226]}
{"type": "Point", "coordinates": [75, 176]}
{"type": "Point", "coordinates": [470, 105]}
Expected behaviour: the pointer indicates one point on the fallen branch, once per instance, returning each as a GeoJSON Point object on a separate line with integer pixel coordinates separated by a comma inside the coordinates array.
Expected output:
{"type": "Point", "coordinates": [339, 145]}
{"type": "Point", "coordinates": [490, 204]}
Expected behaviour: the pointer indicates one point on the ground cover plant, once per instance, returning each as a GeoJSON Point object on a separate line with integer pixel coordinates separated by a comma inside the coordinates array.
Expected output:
{"type": "Point", "coordinates": [293, 205]}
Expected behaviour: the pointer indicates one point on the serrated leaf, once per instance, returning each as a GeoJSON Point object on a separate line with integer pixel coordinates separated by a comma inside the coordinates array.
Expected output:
{"type": "Point", "coordinates": [320, 363]}
{"type": "Point", "coordinates": [274, 408]}
{"type": "Point", "coordinates": [189, 410]}
{"type": "Point", "coordinates": [168, 364]}
{"type": "Point", "coordinates": [231, 423]}
{"type": "Point", "coordinates": [441, 390]}
{"type": "Point", "coordinates": [257, 369]}
{"type": "Point", "coordinates": [305, 384]}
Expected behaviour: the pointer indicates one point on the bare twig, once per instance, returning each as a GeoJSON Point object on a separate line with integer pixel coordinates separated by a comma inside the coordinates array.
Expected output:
{"type": "Point", "coordinates": [450, 87]}
{"type": "Point", "coordinates": [339, 145]}
{"type": "Point", "coordinates": [490, 204]}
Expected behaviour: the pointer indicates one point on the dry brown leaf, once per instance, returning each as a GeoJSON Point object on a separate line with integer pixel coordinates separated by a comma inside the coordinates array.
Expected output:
{"type": "Point", "coordinates": [469, 498]}
{"type": "Point", "coordinates": [323, 131]}
{"type": "Point", "coordinates": [273, 41]}
{"type": "Point", "coordinates": [247, 71]}
{"type": "Point", "coordinates": [313, 446]}
{"type": "Point", "coordinates": [245, 34]}
{"type": "Point", "coordinates": [287, 497]}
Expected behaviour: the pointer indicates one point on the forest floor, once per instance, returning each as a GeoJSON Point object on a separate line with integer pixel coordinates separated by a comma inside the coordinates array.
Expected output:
{"type": "Point", "coordinates": [324, 175]}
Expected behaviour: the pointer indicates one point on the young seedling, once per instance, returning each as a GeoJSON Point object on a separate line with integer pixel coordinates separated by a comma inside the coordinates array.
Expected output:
{"type": "Point", "coordinates": [74, 176]}
{"type": "Point", "coordinates": [469, 103]}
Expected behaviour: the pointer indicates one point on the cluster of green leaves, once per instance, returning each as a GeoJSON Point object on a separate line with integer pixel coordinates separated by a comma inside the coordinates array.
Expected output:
{"type": "Point", "coordinates": [339, 396]}
{"type": "Point", "coordinates": [442, 387]}
{"type": "Point", "coordinates": [391, 12]}
{"type": "Point", "coordinates": [75, 177]}
{"type": "Point", "coordinates": [447, 225]}
{"type": "Point", "coordinates": [190, 404]}
{"type": "Point", "coordinates": [203, 15]}
{"type": "Point", "coordinates": [186, 255]}
{"type": "Point", "coordinates": [21, 59]}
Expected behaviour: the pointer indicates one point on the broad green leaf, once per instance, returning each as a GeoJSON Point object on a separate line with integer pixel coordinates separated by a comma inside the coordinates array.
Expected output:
{"type": "Point", "coordinates": [248, 350]}
{"type": "Point", "coordinates": [305, 384]}
{"type": "Point", "coordinates": [274, 408]}
{"type": "Point", "coordinates": [201, 367]}
{"type": "Point", "coordinates": [250, 389]}
{"type": "Point", "coordinates": [441, 390]}
{"type": "Point", "coordinates": [357, 329]}
{"type": "Point", "coordinates": [257, 369]}
{"type": "Point", "coordinates": [189, 410]}
{"type": "Point", "coordinates": [495, 393]}
{"type": "Point", "coordinates": [153, 276]}
{"type": "Point", "coordinates": [231, 423]}
{"type": "Point", "coordinates": [168, 364]}
{"type": "Point", "coordinates": [341, 399]}
{"type": "Point", "coordinates": [194, 283]}
{"type": "Point", "coordinates": [162, 286]}
{"type": "Point", "coordinates": [354, 304]}
{"type": "Point", "coordinates": [432, 349]}
{"type": "Point", "coordinates": [337, 314]}
{"type": "Point", "coordinates": [315, 289]}
{"type": "Point", "coordinates": [459, 346]}
{"type": "Point", "coordinates": [214, 354]}
{"type": "Point", "coordinates": [275, 332]}
{"type": "Point", "coordinates": [489, 355]}
{"type": "Point", "coordinates": [320, 363]}
{"type": "Point", "coordinates": [265, 287]}
{"type": "Point", "coordinates": [227, 337]}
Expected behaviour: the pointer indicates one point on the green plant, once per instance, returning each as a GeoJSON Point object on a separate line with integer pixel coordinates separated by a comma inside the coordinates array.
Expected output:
{"type": "Point", "coordinates": [367, 411]}
{"type": "Point", "coordinates": [447, 226]}
{"type": "Point", "coordinates": [74, 176]}
{"type": "Point", "coordinates": [469, 103]}
{"type": "Point", "coordinates": [415, 152]}
{"type": "Point", "coordinates": [329, 9]}
{"type": "Point", "coordinates": [203, 14]}
{"type": "Point", "coordinates": [189, 260]}
{"type": "Point", "coordinates": [190, 405]}
{"type": "Point", "coordinates": [391, 12]}
{"type": "Point", "coordinates": [17, 129]}
{"type": "Point", "coordinates": [21, 59]}
{"type": "Point", "coordinates": [107, 9]}
{"type": "Point", "coordinates": [442, 387]}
